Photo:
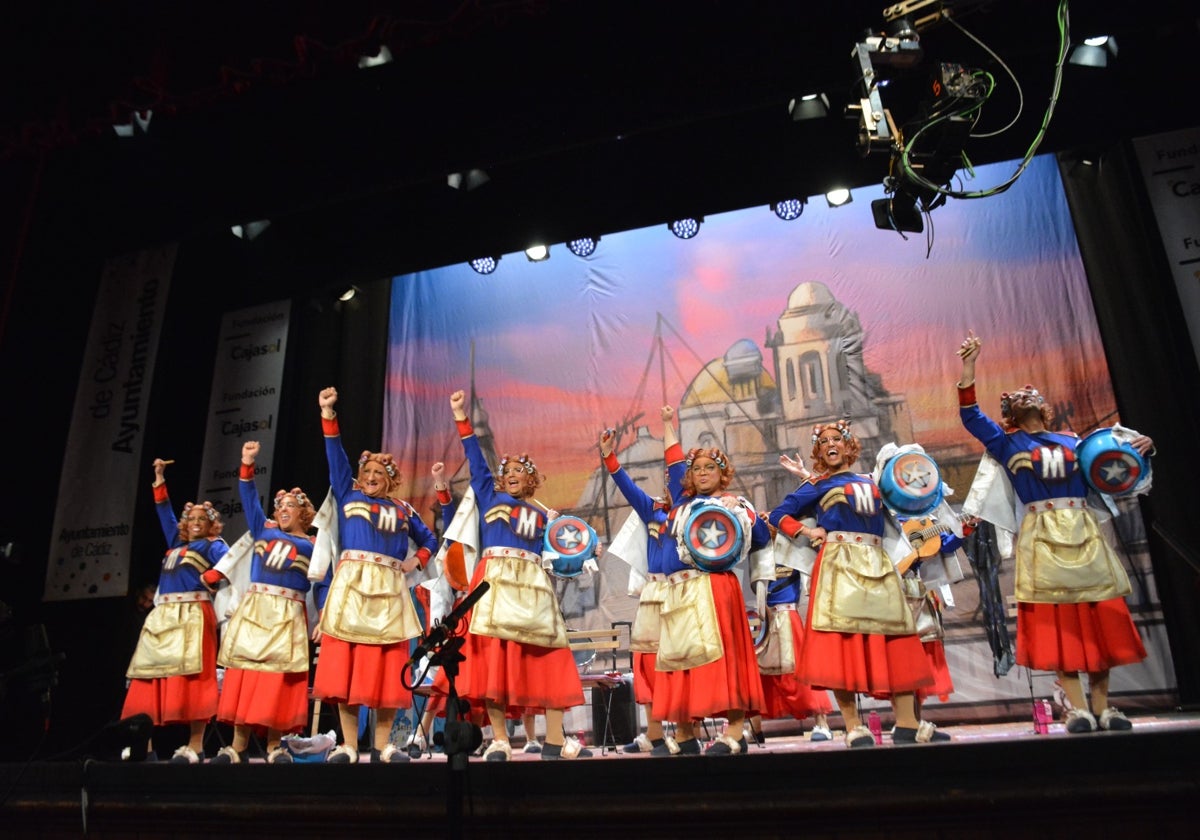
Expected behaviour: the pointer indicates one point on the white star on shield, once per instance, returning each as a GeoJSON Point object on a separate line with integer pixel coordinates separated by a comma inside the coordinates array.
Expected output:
{"type": "Point", "coordinates": [569, 536]}
{"type": "Point", "coordinates": [1115, 472]}
{"type": "Point", "coordinates": [712, 534]}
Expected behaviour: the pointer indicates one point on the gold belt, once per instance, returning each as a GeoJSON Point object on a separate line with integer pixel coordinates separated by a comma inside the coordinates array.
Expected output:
{"type": "Point", "coordinates": [853, 537]}
{"type": "Point", "coordinates": [281, 591]}
{"type": "Point", "coordinates": [1066, 503]}
{"type": "Point", "coordinates": [182, 597]}
{"type": "Point", "coordinates": [369, 557]}
{"type": "Point", "coordinates": [675, 577]}
{"type": "Point", "coordinates": [509, 551]}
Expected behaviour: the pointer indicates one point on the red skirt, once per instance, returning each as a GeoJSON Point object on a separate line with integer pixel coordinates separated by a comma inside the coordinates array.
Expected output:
{"type": "Point", "coordinates": [784, 694]}
{"type": "Point", "coordinates": [264, 698]}
{"type": "Point", "coordinates": [516, 676]}
{"type": "Point", "coordinates": [183, 699]}
{"type": "Point", "coordinates": [866, 663]}
{"type": "Point", "coordinates": [942, 686]}
{"type": "Point", "coordinates": [1089, 637]}
{"type": "Point", "coordinates": [644, 676]}
{"type": "Point", "coordinates": [732, 683]}
{"type": "Point", "coordinates": [362, 675]}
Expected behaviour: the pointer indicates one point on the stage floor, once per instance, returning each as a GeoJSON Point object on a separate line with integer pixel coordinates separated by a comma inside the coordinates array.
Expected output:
{"type": "Point", "coordinates": [990, 781]}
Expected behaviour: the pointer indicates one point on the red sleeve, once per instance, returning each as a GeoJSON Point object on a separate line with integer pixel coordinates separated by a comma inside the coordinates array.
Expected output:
{"type": "Point", "coordinates": [329, 426]}
{"type": "Point", "coordinates": [444, 497]}
{"type": "Point", "coordinates": [790, 526]}
{"type": "Point", "coordinates": [247, 472]}
{"type": "Point", "coordinates": [674, 454]}
{"type": "Point", "coordinates": [966, 396]}
{"type": "Point", "coordinates": [160, 493]}
{"type": "Point", "coordinates": [611, 463]}
{"type": "Point", "coordinates": [464, 428]}
{"type": "Point", "coordinates": [423, 555]}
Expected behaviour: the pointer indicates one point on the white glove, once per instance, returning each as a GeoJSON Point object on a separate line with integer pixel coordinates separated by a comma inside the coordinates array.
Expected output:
{"type": "Point", "coordinates": [591, 567]}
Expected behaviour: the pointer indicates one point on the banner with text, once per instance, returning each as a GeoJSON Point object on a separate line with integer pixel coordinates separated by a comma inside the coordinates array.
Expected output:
{"type": "Point", "coordinates": [91, 542]}
{"type": "Point", "coordinates": [243, 405]}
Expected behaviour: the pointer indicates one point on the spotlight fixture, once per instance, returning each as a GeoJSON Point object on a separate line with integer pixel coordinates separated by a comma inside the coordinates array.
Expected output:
{"type": "Point", "coordinates": [788, 209]}
{"type": "Point", "coordinates": [137, 119]}
{"type": "Point", "coordinates": [250, 230]}
{"type": "Point", "coordinates": [687, 227]}
{"type": "Point", "coordinates": [485, 265]}
{"type": "Point", "coordinates": [584, 246]}
{"type": "Point", "coordinates": [812, 106]}
{"type": "Point", "coordinates": [538, 253]}
{"type": "Point", "coordinates": [1094, 52]}
{"type": "Point", "coordinates": [899, 212]}
{"type": "Point", "coordinates": [839, 196]}
{"type": "Point", "coordinates": [467, 180]}
{"type": "Point", "coordinates": [348, 293]}
{"type": "Point", "coordinates": [382, 56]}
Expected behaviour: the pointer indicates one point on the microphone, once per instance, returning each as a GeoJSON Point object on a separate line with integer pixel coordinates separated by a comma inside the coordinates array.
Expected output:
{"type": "Point", "coordinates": [436, 637]}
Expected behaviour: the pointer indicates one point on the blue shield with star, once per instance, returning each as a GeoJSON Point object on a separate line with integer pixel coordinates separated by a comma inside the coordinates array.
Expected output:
{"type": "Point", "coordinates": [569, 542]}
{"type": "Point", "coordinates": [911, 484]}
{"type": "Point", "coordinates": [1109, 464]}
{"type": "Point", "coordinates": [714, 538]}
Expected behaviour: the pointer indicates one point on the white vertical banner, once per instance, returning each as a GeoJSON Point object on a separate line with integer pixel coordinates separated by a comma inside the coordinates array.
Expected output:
{"type": "Point", "coordinates": [1171, 169]}
{"type": "Point", "coordinates": [93, 519]}
{"type": "Point", "coordinates": [243, 405]}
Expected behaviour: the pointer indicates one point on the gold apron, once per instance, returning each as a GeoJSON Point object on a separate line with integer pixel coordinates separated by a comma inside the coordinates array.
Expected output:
{"type": "Point", "coordinates": [647, 622]}
{"type": "Point", "coordinates": [857, 589]}
{"type": "Point", "coordinates": [171, 643]}
{"type": "Point", "coordinates": [520, 604]}
{"type": "Point", "coordinates": [1062, 558]}
{"type": "Point", "coordinates": [691, 634]}
{"type": "Point", "coordinates": [369, 602]}
{"type": "Point", "coordinates": [268, 632]}
{"type": "Point", "coordinates": [926, 614]}
{"type": "Point", "coordinates": [778, 653]}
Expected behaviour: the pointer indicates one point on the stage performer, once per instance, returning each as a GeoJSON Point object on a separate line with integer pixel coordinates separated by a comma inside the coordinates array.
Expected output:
{"type": "Point", "coordinates": [706, 662]}
{"type": "Point", "coordinates": [173, 672]}
{"type": "Point", "coordinates": [517, 654]}
{"type": "Point", "coordinates": [860, 635]}
{"type": "Point", "coordinates": [369, 615]}
{"type": "Point", "coordinates": [662, 558]}
{"type": "Point", "coordinates": [1071, 587]}
{"type": "Point", "coordinates": [264, 648]}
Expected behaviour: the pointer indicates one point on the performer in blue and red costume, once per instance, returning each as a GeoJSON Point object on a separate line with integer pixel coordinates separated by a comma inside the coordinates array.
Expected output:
{"type": "Point", "coordinates": [1071, 611]}
{"type": "Point", "coordinates": [706, 662]}
{"type": "Point", "coordinates": [661, 554]}
{"type": "Point", "coordinates": [173, 672]}
{"type": "Point", "coordinates": [860, 635]}
{"type": "Point", "coordinates": [369, 614]}
{"type": "Point", "coordinates": [518, 659]}
{"type": "Point", "coordinates": [264, 648]}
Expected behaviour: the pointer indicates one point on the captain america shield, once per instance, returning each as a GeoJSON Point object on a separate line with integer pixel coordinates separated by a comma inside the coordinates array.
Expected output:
{"type": "Point", "coordinates": [1110, 465]}
{"type": "Point", "coordinates": [714, 538]}
{"type": "Point", "coordinates": [911, 483]}
{"type": "Point", "coordinates": [570, 542]}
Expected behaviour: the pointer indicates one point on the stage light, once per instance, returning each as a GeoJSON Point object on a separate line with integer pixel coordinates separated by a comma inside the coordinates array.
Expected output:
{"type": "Point", "coordinates": [468, 180]}
{"type": "Point", "coordinates": [137, 119]}
{"type": "Point", "coordinates": [838, 197]}
{"type": "Point", "coordinates": [485, 265]}
{"type": "Point", "coordinates": [382, 56]}
{"type": "Point", "coordinates": [538, 253]}
{"type": "Point", "coordinates": [686, 228]}
{"type": "Point", "coordinates": [788, 209]}
{"type": "Point", "coordinates": [348, 293]}
{"type": "Point", "coordinates": [1094, 52]}
{"type": "Point", "coordinates": [250, 230]}
{"type": "Point", "coordinates": [585, 246]}
{"type": "Point", "coordinates": [812, 106]}
{"type": "Point", "coordinates": [898, 212]}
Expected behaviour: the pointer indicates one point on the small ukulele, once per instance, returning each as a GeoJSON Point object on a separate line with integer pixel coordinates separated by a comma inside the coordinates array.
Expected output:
{"type": "Point", "coordinates": [925, 536]}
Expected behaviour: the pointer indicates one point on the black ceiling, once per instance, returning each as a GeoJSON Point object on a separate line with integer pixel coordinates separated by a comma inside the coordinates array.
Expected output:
{"type": "Point", "coordinates": [590, 117]}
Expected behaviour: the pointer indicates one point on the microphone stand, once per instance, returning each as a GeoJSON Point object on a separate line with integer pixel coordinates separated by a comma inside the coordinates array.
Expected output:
{"type": "Point", "coordinates": [461, 737]}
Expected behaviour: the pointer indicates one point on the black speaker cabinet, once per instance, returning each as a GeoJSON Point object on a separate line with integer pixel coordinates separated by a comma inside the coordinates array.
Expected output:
{"type": "Point", "coordinates": [616, 705]}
